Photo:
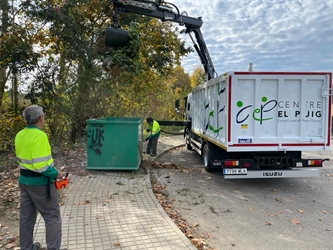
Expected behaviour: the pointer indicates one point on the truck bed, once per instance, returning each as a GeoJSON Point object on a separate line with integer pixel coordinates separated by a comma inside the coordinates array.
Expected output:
{"type": "Point", "coordinates": [264, 111]}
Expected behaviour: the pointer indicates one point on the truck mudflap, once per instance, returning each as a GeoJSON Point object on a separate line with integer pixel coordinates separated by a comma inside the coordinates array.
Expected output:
{"type": "Point", "coordinates": [256, 174]}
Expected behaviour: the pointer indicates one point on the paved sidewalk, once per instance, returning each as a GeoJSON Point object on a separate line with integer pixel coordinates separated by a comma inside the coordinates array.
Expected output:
{"type": "Point", "coordinates": [116, 210]}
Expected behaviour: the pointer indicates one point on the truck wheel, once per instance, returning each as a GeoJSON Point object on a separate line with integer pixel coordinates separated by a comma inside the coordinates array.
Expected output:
{"type": "Point", "coordinates": [206, 155]}
{"type": "Point", "coordinates": [188, 143]}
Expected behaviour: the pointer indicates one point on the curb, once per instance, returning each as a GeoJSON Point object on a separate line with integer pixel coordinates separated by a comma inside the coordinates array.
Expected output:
{"type": "Point", "coordinates": [167, 151]}
{"type": "Point", "coordinates": [171, 223]}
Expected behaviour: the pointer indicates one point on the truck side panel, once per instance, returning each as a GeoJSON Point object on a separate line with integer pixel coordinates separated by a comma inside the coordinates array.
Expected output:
{"type": "Point", "coordinates": [280, 112]}
{"type": "Point", "coordinates": [264, 111]}
{"type": "Point", "coordinates": [256, 124]}
{"type": "Point", "coordinates": [209, 111]}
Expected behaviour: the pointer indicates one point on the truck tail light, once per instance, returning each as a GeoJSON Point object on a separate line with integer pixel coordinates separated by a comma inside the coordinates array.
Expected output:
{"type": "Point", "coordinates": [230, 163]}
{"type": "Point", "coordinates": [315, 162]}
{"type": "Point", "coordinates": [246, 164]}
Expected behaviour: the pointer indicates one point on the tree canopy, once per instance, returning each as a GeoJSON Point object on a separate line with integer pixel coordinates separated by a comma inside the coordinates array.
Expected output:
{"type": "Point", "coordinates": [52, 53]}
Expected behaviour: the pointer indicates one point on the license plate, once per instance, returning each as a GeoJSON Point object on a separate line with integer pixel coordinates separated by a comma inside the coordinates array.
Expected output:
{"type": "Point", "coordinates": [235, 171]}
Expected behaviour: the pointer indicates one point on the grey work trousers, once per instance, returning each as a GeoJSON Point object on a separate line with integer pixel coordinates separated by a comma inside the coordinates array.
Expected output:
{"type": "Point", "coordinates": [33, 199]}
{"type": "Point", "coordinates": [152, 145]}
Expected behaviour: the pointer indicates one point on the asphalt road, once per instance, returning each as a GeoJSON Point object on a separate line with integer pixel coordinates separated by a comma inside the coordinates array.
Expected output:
{"type": "Point", "coordinates": [293, 213]}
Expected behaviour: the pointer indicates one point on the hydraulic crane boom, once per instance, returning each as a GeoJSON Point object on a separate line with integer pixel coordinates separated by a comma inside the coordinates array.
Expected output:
{"type": "Point", "coordinates": [164, 12]}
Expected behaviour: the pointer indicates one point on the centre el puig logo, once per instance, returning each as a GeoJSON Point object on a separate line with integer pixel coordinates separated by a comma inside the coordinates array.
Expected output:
{"type": "Point", "coordinates": [258, 114]}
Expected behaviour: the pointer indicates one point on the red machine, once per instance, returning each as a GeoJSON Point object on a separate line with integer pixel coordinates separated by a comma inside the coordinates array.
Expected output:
{"type": "Point", "coordinates": [62, 183]}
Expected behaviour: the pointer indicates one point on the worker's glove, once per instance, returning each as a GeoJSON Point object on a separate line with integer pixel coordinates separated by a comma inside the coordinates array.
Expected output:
{"type": "Point", "coordinates": [147, 138]}
{"type": "Point", "coordinates": [148, 130]}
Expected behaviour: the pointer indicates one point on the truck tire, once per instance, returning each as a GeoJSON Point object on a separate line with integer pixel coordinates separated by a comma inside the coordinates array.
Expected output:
{"type": "Point", "coordinates": [187, 139]}
{"type": "Point", "coordinates": [206, 156]}
{"type": "Point", "coordinates": [188, 143]}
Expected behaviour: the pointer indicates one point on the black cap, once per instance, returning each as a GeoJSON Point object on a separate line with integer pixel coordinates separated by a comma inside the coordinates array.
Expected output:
{"type": "Point", "coordinates": [149, 119]}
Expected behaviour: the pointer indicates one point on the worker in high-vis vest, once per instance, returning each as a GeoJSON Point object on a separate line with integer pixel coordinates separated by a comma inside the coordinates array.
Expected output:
{"type": "Point", "coordinates": [154, 130]}
{"type": "Point", "coordinates": [37, 174]}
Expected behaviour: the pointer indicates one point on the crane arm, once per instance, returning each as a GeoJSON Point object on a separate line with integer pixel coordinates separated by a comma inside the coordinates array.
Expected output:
{"type": "Point", "coordinates": [164, 12]}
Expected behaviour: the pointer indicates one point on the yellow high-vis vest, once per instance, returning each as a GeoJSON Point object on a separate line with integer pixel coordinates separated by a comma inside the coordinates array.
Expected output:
{"type": "Point", "coordinates": [33, 150]}
{"type": "Point", "coordinates": [155, 128]}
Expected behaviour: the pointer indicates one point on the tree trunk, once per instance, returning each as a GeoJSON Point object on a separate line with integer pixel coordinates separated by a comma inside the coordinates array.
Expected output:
{"type": "Point", "coordinates": [15, 92]}
{"type": "Point", "coordinates": [82, 100]}
{"type": "Point", "coordinates": [4, 20]}
{"type": "Point", "coordinates": [3, 81]}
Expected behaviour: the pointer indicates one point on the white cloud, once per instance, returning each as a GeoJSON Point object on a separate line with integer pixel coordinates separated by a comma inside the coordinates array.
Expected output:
{"type": "Point", "coordinates": [276, 35]}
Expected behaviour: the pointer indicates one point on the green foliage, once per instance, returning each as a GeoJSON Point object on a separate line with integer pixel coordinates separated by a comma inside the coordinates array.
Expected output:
{"type": "Point", "coordinates": [198, 77]}
{"type": "Point", "coordinates": [160, 48]}
{"type": "Point", "coordinates": [76, 77]}
{"type": "Point", "coordinates": [16, 45]}
{"type": "Point", "coordinates": [10, 125]}
{"type": "Point", "coordinates": [181, 84]}
{"type": "Point", "coordinates": [126, 58]}
{"type": "Point", "coordinates": [16, 50]}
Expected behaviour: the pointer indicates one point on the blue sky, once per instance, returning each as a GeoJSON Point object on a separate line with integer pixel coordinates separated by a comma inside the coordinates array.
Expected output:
{"type": "Point", "coordinates": [275, 35]}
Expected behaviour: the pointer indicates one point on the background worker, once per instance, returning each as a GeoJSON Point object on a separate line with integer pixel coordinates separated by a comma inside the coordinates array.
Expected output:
{"type": "Point", "coordinates": [154, 130]}
{"type": "Point", "coordinates": [37, 174]}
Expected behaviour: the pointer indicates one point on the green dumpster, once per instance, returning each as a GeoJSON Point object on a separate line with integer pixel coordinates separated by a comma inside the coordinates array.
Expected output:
{"type": "Point", "coordinates": [114, 143]}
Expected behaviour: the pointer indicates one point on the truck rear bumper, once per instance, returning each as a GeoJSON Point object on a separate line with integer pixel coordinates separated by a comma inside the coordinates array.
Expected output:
{"type": "Point", "coordinates": [296, 173]}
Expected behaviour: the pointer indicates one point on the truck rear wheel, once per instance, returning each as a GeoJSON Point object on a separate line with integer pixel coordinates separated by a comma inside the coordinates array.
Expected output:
{"type": "Point", "coordinates": [188, 143]}
{"type": "Point", "coordinates": [187, 140]}
{"type": "Point", "coordinates": [206, 155]}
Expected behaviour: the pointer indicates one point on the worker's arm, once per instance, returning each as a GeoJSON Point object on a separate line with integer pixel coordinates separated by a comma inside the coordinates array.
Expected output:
{"type": "Point", "coordinates": [43, 161]}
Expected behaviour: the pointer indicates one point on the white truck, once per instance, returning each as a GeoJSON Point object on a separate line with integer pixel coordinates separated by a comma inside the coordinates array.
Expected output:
{"type": "Point", "coordinates": [256, 124]}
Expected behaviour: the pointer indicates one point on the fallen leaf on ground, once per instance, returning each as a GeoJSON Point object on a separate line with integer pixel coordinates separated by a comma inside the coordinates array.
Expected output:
{"type": "Point", "coordinates": [294, 222]}
{"type": "Point", "coordinates": [10, 245]}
